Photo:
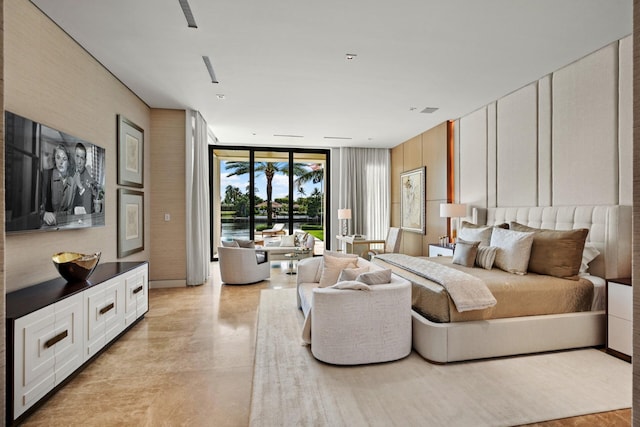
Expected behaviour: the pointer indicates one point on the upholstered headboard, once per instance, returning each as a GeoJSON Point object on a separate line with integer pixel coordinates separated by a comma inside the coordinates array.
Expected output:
{"type": "Point", "coordinates": [609, 230]}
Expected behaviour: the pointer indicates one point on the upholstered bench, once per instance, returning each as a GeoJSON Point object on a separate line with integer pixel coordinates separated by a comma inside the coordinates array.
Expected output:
{"type": "Point", "coordinates": [352, 326]}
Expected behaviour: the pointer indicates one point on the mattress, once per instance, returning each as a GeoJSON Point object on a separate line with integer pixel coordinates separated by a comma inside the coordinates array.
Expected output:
{"type": "Point", "coordinates": [516, 295]}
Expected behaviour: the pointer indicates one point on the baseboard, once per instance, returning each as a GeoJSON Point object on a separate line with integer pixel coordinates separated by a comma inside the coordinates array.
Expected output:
{"type": "Point", "coordinates": [157, 284]}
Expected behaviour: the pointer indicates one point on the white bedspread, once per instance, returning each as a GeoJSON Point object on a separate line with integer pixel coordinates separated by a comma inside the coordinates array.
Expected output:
{"type": "Point", "coordinates": [466, 291]}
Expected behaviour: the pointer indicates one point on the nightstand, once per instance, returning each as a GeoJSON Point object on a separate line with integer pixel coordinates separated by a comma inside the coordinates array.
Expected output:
{"type": "Point", "coordinates": [439, 250]}
{"type": "Point", "coordinates": [620, 318]}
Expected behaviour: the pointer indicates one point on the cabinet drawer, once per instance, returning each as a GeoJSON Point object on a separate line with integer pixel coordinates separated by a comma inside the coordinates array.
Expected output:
{"type": "Point", "coordinates": [619, 333]}
{"type": "Point", "coordinates": [620, 301]}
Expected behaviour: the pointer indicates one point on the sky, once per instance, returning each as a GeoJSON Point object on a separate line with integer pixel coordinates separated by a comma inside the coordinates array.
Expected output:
{"type": "Point", "coordinates": [280, 184]}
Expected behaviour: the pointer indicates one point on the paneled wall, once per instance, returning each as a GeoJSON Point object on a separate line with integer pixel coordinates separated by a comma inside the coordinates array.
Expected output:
{"type": "Point", "coordinates": [562, 140]}
{"type": "Point", "coordinates": [427, 149]}
{"type": "Point", "coordinates": [167, 260]}
{"type": "Point", "coordinates": [51, 79]}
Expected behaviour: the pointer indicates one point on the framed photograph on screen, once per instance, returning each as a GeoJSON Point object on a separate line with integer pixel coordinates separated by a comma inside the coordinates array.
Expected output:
{"type": "Point", "coordinates": [130, 222]}
{"type": "Point", "coordinates": [130, 153]}
{"type": "Point", "coordinates": [412, 205]}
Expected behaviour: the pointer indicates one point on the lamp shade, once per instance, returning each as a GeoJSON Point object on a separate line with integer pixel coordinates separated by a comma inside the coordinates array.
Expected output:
{"type": "Point", "coordinates": [453, 210]}
{"type": "Point", "coordinates": [344, 213]}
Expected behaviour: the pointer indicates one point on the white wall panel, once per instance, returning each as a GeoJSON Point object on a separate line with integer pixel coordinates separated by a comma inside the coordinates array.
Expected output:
{"type": "Point", "coordinates": [625, 121]}
{"type": "Point", "coordinates": [544, 141]}
{"type": "Point", "coordinates": [473, 158]}
{"type": "Point", "coordinates": [517, 148]}
{"type": "Point", "coordinates": [492, 161]}
{"type": "Point", "coordinates": [585, 130]}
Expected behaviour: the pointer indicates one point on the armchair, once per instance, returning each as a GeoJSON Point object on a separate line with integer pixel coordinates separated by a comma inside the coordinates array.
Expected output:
{"type": "Point", "coordinates": [240, 266]}
{"type": "Point", "coordinates": [391, 244]}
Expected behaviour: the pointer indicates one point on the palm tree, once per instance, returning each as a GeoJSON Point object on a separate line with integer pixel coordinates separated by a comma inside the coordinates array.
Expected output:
{"type": "Point", "coordinates": [313, 173]}
{"type": "Point", "coordinates": [269, 169]}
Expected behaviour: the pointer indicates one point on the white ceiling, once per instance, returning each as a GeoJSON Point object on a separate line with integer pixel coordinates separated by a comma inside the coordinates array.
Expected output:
{"type": "Point", "coordinates": [281, 63]}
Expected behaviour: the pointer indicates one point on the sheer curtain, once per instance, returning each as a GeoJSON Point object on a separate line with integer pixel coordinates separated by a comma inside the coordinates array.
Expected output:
{"type": "Point", "coordinates": [197, 197]}
{"type": "Point", "coordinates": [365, 188]}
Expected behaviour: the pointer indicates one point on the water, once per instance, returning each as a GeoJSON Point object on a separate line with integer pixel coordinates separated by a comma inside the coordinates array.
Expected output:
{"type": "Point", "coordinates": [240, 229]}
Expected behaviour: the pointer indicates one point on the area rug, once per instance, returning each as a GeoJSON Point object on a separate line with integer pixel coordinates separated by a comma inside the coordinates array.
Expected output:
{"type": "Point", "coordinates": [291, 388]}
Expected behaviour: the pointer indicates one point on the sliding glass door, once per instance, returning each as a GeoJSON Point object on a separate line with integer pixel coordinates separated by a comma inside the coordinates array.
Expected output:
{"type": "Point", "coordinates": [255, 190]}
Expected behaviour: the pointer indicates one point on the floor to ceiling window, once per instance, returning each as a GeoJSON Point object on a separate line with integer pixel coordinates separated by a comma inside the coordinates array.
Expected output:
{"type": "Point", "coordinates": [255, 190]}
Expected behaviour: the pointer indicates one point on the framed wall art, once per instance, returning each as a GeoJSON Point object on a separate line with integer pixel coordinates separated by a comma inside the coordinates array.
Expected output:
{"type": "Point", "coordinates": [130, 153]}
{"type": "Point", "coordinates": [412, 206]}
{"type": "Point", "coordinates": [130, 222]}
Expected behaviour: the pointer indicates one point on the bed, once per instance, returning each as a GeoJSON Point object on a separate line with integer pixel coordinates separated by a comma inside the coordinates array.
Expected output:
{"type": "Point", "coordinates": [445, 335]}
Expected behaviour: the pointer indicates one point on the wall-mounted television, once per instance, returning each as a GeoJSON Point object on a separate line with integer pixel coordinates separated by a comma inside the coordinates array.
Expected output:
{"type": "Point", "coordinates": [53, 181]}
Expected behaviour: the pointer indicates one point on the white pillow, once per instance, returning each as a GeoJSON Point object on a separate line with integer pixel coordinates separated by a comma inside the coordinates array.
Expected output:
{"type": "Point", "coordinates": [514, 248]}
{"type": "Point", "coordinates": [376, 277]}
{"type": "Point", "coordinates": [288, 240]}
{"type": "Point", "coordinates": [331, 268]}
{"type": "Point", "coordinates": [352, 273]}
{"type": "Point", "coordinates": [481, 234]}
{"type": "Point", "coordinates": [588, 254]}
{"type": "Point", "coordinates": [351, 284]}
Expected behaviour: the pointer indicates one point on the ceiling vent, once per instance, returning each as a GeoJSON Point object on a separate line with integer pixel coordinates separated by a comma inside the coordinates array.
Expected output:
{"type": "Point", "coordinates": [337, 137]}
{"type": "Point", "coordinates": [186, 9]}
{"type": "Point", "coordinates": [430, 110]}
{"type": "Point", "coordinates": [289, 136]}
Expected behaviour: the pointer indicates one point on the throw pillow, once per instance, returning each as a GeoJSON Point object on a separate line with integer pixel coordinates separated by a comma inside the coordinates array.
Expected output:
{"type": "Point", "coordinates": [555, 252]}
{"type": "Point", "coordinates": [465, 252]}
{"type": "Point", "coordinates": [301, 239]}
{"type": "Point", "coordinates": [514, 248]}
{"type": "Point", "coordinates": [231, 244]}
{"type": "Point", "coordinates": [351, 284]}
{"type": "Point", "coordinates": [588, 254]}
{"type": "Point", "coordinates": [486, 256]}
{"type": "Point", "coordinates": [467, 224]}
{"type": "Point", "coordinates": [331, 268]}
{"type": "Point", "coordinates": [245, 243]}
{"type": "Point", "coordinates": [479, 234]}
{"type": "Point", "coordinates": [351, 273]}
{"type": "Point", "coordinates": [288, 240]}
{"type": "Point", "coordinates": [377, 277]}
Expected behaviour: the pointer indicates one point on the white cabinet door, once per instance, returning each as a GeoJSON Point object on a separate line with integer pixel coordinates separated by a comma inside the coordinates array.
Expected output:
{"type": "Point", "coordinates": [48, 347]}
{"type": "Point", "coordinates": [105, 314]}
{"type": "Point", "coordinates": [137, 288]}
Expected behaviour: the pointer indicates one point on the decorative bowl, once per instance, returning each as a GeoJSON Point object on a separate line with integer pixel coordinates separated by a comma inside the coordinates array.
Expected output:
{"type": "Point", "coordinates": [75, 267]}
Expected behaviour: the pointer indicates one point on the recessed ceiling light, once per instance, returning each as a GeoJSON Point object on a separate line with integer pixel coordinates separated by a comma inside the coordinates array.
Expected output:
{"type": "Point", "coordinates": [412, 108]}
{"type": "Point", "coordinates": [220, 96]}
{"type": "Point", "coordinates": [351, 55]}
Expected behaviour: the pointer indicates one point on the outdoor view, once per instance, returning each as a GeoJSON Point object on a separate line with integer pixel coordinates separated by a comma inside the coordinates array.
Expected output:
{"type": "Point", "coordinates": [271, 195]}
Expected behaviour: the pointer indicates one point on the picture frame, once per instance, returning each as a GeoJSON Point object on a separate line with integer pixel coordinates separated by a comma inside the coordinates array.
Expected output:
{"type": "Point", "coordinates": [413, 184]}
{"type": "Point", "coordinates": [130, 153]}
{"type": "Point", "coordinates": [130, 222]}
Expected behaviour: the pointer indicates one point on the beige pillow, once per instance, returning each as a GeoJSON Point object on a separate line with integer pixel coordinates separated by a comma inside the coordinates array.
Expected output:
{"type": "Point", "coordinates": [514, 248]}
{"type": "Point", "coordinates": [351, 284]}
{"type": "Point", "coordinates": [340, 254]}
{"type": "Point", "coordinates": [555, 252]}
{"type": "Point", "coordinates": [331, 268]}
{"type": "Point", "coordinates": [588, 254]}
{"type": "Point", "coordinates": [486, 256]}
{"type": "Point", "coordinates": [352, 273]}
{"type": "Point", "coordinates": [465, 252]}
{"type": "Point", "coordinates": [376, 277]}
{"type": "Point", "coordinates": [229, 244]}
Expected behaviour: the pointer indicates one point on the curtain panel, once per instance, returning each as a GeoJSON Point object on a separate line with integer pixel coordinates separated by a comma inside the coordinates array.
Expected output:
{"type": "Point", "coordinates": [197, 199]}
{"type": "Point", "coordinates": [365, 188]}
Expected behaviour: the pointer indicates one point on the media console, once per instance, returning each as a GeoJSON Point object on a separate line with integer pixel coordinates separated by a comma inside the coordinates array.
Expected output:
{"type": "Point", "coordinates": [56, 328]}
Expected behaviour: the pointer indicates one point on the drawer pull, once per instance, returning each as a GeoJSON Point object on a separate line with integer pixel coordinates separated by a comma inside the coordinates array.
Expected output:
{"type": "Point", "coordinates": [138, 289]}
{"type": "Point", "coordinates": [103, 310]}
{"type": "Point", "coordinates": [51, 342]}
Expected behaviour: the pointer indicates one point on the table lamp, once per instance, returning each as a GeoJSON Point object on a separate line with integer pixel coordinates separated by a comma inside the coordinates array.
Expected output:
{"type": "Point", "coordinates": [453, 210]}
{"type": "Point", "coordinates": [344, 215]}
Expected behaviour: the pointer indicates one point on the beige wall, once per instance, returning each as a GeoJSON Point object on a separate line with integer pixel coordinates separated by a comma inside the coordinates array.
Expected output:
{"type": "Point", "coordinates": [636, 216]}
{"type": "Point", "coordinates": [3, 358]}
{"type": "Point", "coordinates": [167, 260]}
{"type": "Point", "coordinates": [427, 149]}
{"type": "Point", "coordinates": [52, 80]}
